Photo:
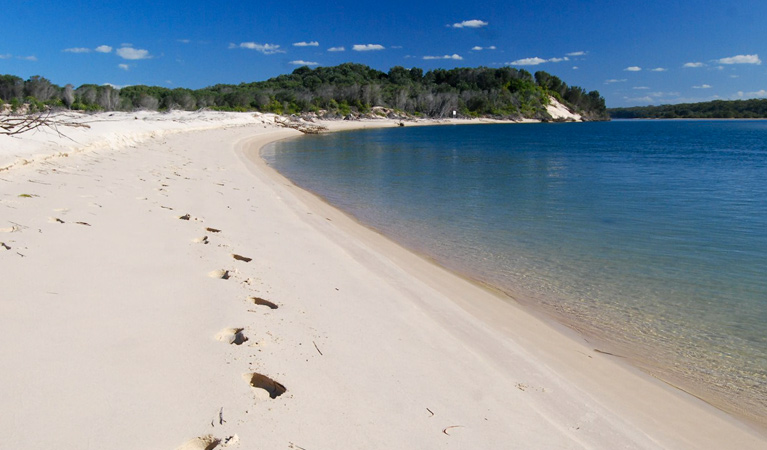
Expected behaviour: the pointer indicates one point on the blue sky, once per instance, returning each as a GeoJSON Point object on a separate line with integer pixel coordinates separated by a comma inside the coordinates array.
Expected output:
{"type": "Point", "coordinates": [632, 52]}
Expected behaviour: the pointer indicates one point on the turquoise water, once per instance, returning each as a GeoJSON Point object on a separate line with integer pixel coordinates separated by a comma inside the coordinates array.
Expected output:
{"type": "Point", "coordinates": [648, 237]}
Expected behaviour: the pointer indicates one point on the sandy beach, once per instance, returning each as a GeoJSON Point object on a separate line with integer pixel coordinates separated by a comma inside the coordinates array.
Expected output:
{"type": "Point", "coordinates": [164, 288]}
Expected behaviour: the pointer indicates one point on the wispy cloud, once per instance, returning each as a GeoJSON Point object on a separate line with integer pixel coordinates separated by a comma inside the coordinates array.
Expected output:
{"type": "Point", "coordinates": [28, 58]}
{"type": "Point", "coordinates": [633, 69]}
{"type": "Point", "coordinates": [301, 62]}
{"type": "Point", "coordinates": [183, 41]}
{"type": "Point", "coordinates": [759, 93]}
{"type": "Point", "coordinates": [367, 47]}
{"type": "Point", "coordinates": [693, 64]}
{"type": "Point", "coordinates": [306, 44]}
{"type": "Point", "coordinates": [6, 56]}
{"type": "Point", "coordinates": [640, 87]}
{"type": "Point", "coordinates": [103, 49]}
{"type": "Point", "coordinates": [266, 49]}
{"type": "Point", "coordinates": [534, 61]}
{"type": "Point", "coordinates": [613, 80]}
{"type": "Point", "coordinates": [740, 59]}
{"type": "Point", "coordinates": [474, 23]}
{"type": "Point", "coordinates": [477, 48]}
{"type": "Point", "coordinates": [132, 53]}
{"type": "Point", "coordinates": [575, 67]}
{"type": "Point", "coordinates": [702, 86]}
{"type": "Point", "coordinates": [577, 53]}
{"type": "Point", "coordinates": [123, 66]}
{"type": "Point", "coordinates": [659, 69]}
{"type": "Point", "coordinates": [337, 49]}
{"type": "Point", "coordinates": [77, 50]}
{"type": "Point", "coordinates": [453, 56]}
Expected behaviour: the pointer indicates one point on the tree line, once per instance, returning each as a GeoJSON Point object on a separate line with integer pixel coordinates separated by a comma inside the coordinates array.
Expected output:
{"type": "Point", "coordinates": [717, 109]}
{"type": "Point", "coordinates": [332, 91]}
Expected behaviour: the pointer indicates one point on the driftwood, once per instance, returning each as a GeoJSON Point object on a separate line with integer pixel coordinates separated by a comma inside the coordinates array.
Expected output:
{"type": "Point", "coordinates": [13, 125]}
{"type": "Point", "coordinates": [300, 125]}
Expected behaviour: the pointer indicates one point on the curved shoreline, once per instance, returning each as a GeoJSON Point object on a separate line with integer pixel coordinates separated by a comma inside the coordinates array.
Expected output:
{"type": "Point", "coordinates": [176, 288]}
{"type": "Point", "coordinates": [496, 315]}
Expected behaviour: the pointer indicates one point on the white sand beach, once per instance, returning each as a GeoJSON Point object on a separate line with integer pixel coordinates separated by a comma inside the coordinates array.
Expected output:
{"type": "Point", "coordinates": [164, 288]}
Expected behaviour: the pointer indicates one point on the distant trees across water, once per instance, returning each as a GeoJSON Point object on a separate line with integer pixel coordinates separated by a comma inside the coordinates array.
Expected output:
{"type": "Point", "coordinates": [340, 90]}
{"type": "Point", "coordinates": [717, 109]}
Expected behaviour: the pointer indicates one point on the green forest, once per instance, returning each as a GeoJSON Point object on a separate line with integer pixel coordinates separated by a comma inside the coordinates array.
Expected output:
{"type": "Point", "coordinates": [339, 91]}
{"type": "Point", "coordinates": [718, 109]}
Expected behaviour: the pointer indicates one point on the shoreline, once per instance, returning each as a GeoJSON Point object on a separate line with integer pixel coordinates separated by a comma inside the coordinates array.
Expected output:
{"type": "Point", "coordinates": [557, 323]}
{"type": "Point", "coordinates": [122, 312]}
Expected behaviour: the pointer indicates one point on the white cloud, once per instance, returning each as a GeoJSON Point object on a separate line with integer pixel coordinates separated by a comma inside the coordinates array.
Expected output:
{"type": "Point", "coordinates": [306, 44]}
{"type": "Point", "coordinates": [77, 50]}
{"type": "Point", "coordinates": [301, 62]}
{"type": "Point", "coordinates": [528, 61]}
{"type": "Point", "coordinates": [123, 66]}
{"type": "Point", "coordinates": [575, 67]}
{"type": "Point", "coordinates": [576, 54]}
{"type": "Point", "coordinates": [116, 86]}
{"type": "Point", "coordinates": [183, 41]}
{"type": "Point", "coordinates": [6, 56]}
{"type": "Point", "coordinates": [132, 53]}
{"type": "Point", "coordinates": [103, 49]}
{"type": "Point", "coordinates": [640, 87]}
{"type": "Point", "coordinates": [28, 58]}
{"type": "Point", "coordinates": [367, 47]}
{"type": "Point", "coordinates": [474, 23]}
{"type": "Point", "coordinates": [266, 49]}
{"type": "Point", "coordinates": [453, 56]}
{"type": "Point", "coordinates": [535, 61]}
{"type": "Point", "coordinates": [477, 48]}
{"type": "Point", "coordinates": [659, 69]}
{"type": "Point", "coordinates": [613, 80]}
{"type": "Point", "coordinates": [664, 94]}
{"type": "Point", "coordinates": [734, 76]}
{"type": "Point", "coordinates": [337, 49]}
{"type": "Point", "coordinates": [396, 46]}
{"type": "Point", "coordinates": [702, 86]}
{"type": "Point", "coordinates": [760, 93]}
{"type": "Point", "coordinates": [741, 59]}
{"type": "Point", "coordinates": [693, 64]}
{"type": "Point", "coordinates": [632, 69]}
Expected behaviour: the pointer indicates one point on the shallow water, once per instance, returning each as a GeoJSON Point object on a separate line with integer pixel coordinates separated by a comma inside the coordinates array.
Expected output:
{"type": "Point", "coordinates": [649, 237]}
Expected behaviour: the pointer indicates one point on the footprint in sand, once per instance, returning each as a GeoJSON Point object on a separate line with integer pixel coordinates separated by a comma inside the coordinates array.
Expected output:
{"type": "Point", "coordinates": [208, 442]}
{"type": "Point", "coordinates": [200, 240]}
{"type": "Point", "coordinates": [263, 386]}
{"type": "Point", "coordinates": [262, 302]}
{"type": "Point", "coordinates": [12, 229]}
{"type": "Point", "coordinates": [221, 273]}
{"type": "Point", "coordinates": [232, 336]}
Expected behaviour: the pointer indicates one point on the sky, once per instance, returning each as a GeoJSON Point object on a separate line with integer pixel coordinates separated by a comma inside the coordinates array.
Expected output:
{"type": "Point", "coordinates": [633, 52]}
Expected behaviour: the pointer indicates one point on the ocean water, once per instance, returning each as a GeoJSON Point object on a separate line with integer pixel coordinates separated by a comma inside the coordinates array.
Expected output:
{"type": "Point", "coordinates": [648, 237]}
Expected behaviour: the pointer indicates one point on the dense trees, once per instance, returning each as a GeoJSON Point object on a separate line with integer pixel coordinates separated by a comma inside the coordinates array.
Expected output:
{"type": "Point", "coordinates": [340, 90]}
{"type": "Point", "coordinates": [718, 109]}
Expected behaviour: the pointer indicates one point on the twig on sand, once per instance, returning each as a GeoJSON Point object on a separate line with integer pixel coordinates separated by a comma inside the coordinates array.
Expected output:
{"type": "Point", "coordinates": [318, 349]}
{"type": "Point", "coordinates": [432, 412]}
{"type": "Point", "coordinates": [451, 426]}
{"type": "Point", "coordinates": [608, 353]}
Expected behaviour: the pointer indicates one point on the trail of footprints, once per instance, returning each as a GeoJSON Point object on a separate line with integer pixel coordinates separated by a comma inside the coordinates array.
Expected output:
{"type": "Point", "coordinates": [264, 388]}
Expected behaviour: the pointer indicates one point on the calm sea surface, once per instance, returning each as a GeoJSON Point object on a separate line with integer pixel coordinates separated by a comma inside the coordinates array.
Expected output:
{"type": "Point", "coordinates": [649, 237]}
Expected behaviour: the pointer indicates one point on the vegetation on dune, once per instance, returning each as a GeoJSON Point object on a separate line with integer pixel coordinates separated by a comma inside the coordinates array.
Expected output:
{"type": "Point", "coordinates": [718, 109]}
{"type": "Point", "coordinates": [332, 92]}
